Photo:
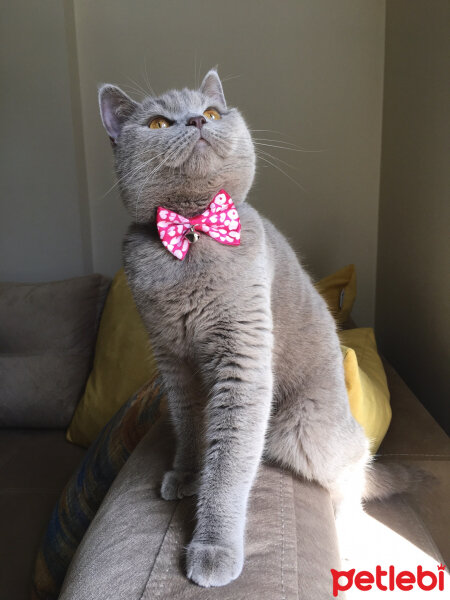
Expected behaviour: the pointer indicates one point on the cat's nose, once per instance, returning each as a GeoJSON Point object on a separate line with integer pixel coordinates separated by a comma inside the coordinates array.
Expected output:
{"type": "Point", "coordinates": [197, 121]}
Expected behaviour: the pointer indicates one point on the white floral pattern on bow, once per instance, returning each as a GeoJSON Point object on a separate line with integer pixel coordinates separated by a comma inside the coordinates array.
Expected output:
{"type": "Point", "coordinates": [220, 221]}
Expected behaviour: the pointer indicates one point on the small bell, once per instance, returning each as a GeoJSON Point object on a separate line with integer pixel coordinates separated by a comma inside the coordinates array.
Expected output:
{"type": "Point", "coordinates": [191, 235]}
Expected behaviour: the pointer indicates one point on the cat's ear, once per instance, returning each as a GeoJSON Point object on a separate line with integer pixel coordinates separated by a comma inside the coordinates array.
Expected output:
{"type": "Point", "coordinates": [212, 87]}
{"type": "Point", "coordinates": [115, 108]}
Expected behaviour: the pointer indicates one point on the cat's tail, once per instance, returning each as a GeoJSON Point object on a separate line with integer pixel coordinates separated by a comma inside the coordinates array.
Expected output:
{"type": "Point", "coordinates": [384, 480]}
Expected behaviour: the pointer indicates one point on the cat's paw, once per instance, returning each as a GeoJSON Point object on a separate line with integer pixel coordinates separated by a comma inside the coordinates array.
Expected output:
{"type": "Point", "coordinates": [210, 565]}
{"type": "Point", "coordinates": [178, 484]}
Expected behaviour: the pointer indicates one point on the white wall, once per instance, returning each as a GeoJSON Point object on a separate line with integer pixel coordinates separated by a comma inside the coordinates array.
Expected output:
{"type": "Point", "coordinates": [43, 234]}
{"type": "Point", "coordinates": [310, 69]}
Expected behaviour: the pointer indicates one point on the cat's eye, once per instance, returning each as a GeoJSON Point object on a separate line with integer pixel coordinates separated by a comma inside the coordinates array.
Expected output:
{"type": "Point", "coordinates": [159, 123]}
{"type": "Point", "coordinates": [212, 114]}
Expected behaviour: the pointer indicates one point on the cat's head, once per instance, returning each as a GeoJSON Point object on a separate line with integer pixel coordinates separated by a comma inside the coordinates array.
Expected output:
{"type": "Point", "coordinates": [177, 150]}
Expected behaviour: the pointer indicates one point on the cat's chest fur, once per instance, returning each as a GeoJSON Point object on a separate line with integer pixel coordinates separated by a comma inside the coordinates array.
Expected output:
{"type": "Point", "coordinates": [183, 302]}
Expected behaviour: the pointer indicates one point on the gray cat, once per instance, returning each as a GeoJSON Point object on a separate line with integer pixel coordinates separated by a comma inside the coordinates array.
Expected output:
{"type": "Point", "coordinates": [247, 348]}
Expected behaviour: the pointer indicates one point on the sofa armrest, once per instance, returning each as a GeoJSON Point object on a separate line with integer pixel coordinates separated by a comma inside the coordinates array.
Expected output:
{"type": "Point", "coordinates": [415, 437]}
{"type": "Point", "coordinates": [134, 546]}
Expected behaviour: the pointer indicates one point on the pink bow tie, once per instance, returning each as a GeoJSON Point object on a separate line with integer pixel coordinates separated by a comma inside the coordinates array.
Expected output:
{"type": "Point", "coordinates": [220, 221]}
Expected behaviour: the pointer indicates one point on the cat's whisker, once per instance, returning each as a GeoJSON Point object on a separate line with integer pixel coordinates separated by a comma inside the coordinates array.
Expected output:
{"type": "Point", "coordinates": [282, 144]}
{"type": "Point", "coordinates": [139, 87]}
{"type": "Point", "coordinates": [268, 131]}
{"type": "Point", "coordinates": [195, 69]}
{"type": "Point", "coordinates": [129, 174]}
{"type": "Point", "coordinates": [132, 91]}
{"type": "Point", "coordinates": [147, 79]}
{"type": "Point", "coordinates": [162, 163]}
{"type": "Point", "coordinates": [276, 158]}
{"type": "Point", "coordinates": [282, 171]}
{"type": "Point", "coordinates": [299, 148]}
{"type": "Point", "coordinates": [155, 170]}
{"type": "Point", "coordinates": [279, 144]}
{"type": "Point", "coordinates": [282, 134]}
{"type": "Point", "coordinates": [147, 179]}
{"type": "Point", "coordinates": [229, 77]}
{"type": "Point", "coordinates": [274, 140]}
{"type": "Point", "coordinates": [285, 148]}
{"type": "Point", "coordinates": [199, 71]}
{"type": "Point", "coordinates": [133, 171]}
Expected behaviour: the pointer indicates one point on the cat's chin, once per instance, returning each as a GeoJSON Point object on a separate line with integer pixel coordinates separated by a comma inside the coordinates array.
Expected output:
{"type": "Point", "coordinates": [202, 162]}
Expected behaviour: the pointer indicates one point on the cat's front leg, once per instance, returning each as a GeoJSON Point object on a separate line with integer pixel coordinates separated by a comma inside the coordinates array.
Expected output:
{"type": "Point", "coordinates": [184, 400]}
{"type": "Point", "coordinates": [237, 416]}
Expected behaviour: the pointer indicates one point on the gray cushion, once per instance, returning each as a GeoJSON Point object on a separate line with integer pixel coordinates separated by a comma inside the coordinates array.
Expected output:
{"type": "Point", "coordinates": [47, 340]}
{"type": "Point", "coordinates": [133, 549]}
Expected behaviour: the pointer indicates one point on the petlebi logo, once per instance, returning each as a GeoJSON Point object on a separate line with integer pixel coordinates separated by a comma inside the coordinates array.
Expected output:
{"type": "Point", "coordinates": [388, 579]}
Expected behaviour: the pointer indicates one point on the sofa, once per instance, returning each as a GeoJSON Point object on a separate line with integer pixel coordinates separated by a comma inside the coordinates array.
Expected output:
{"type": "Point", "coordinates": [134, 545]}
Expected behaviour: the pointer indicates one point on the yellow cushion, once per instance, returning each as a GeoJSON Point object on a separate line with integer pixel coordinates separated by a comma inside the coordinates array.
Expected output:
{"type": "Point", "coordinates": [339, 291]}
{"type": "Point", "coordinates": [366, 383]}
{"type": "Point", "coordinates": [123, 363]}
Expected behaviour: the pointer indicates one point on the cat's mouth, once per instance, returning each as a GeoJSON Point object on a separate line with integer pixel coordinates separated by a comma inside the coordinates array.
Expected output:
{"type": "Point", "coordinates": [201, 155]}
{"type": "Point", "coordinates": [201, 142]}
{"type": "Point", "coordinates": [201, 147]}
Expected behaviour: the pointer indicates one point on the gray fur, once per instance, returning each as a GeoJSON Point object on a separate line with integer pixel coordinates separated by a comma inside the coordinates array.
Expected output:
{"type": "Point", "coordinates": [247, 348]}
